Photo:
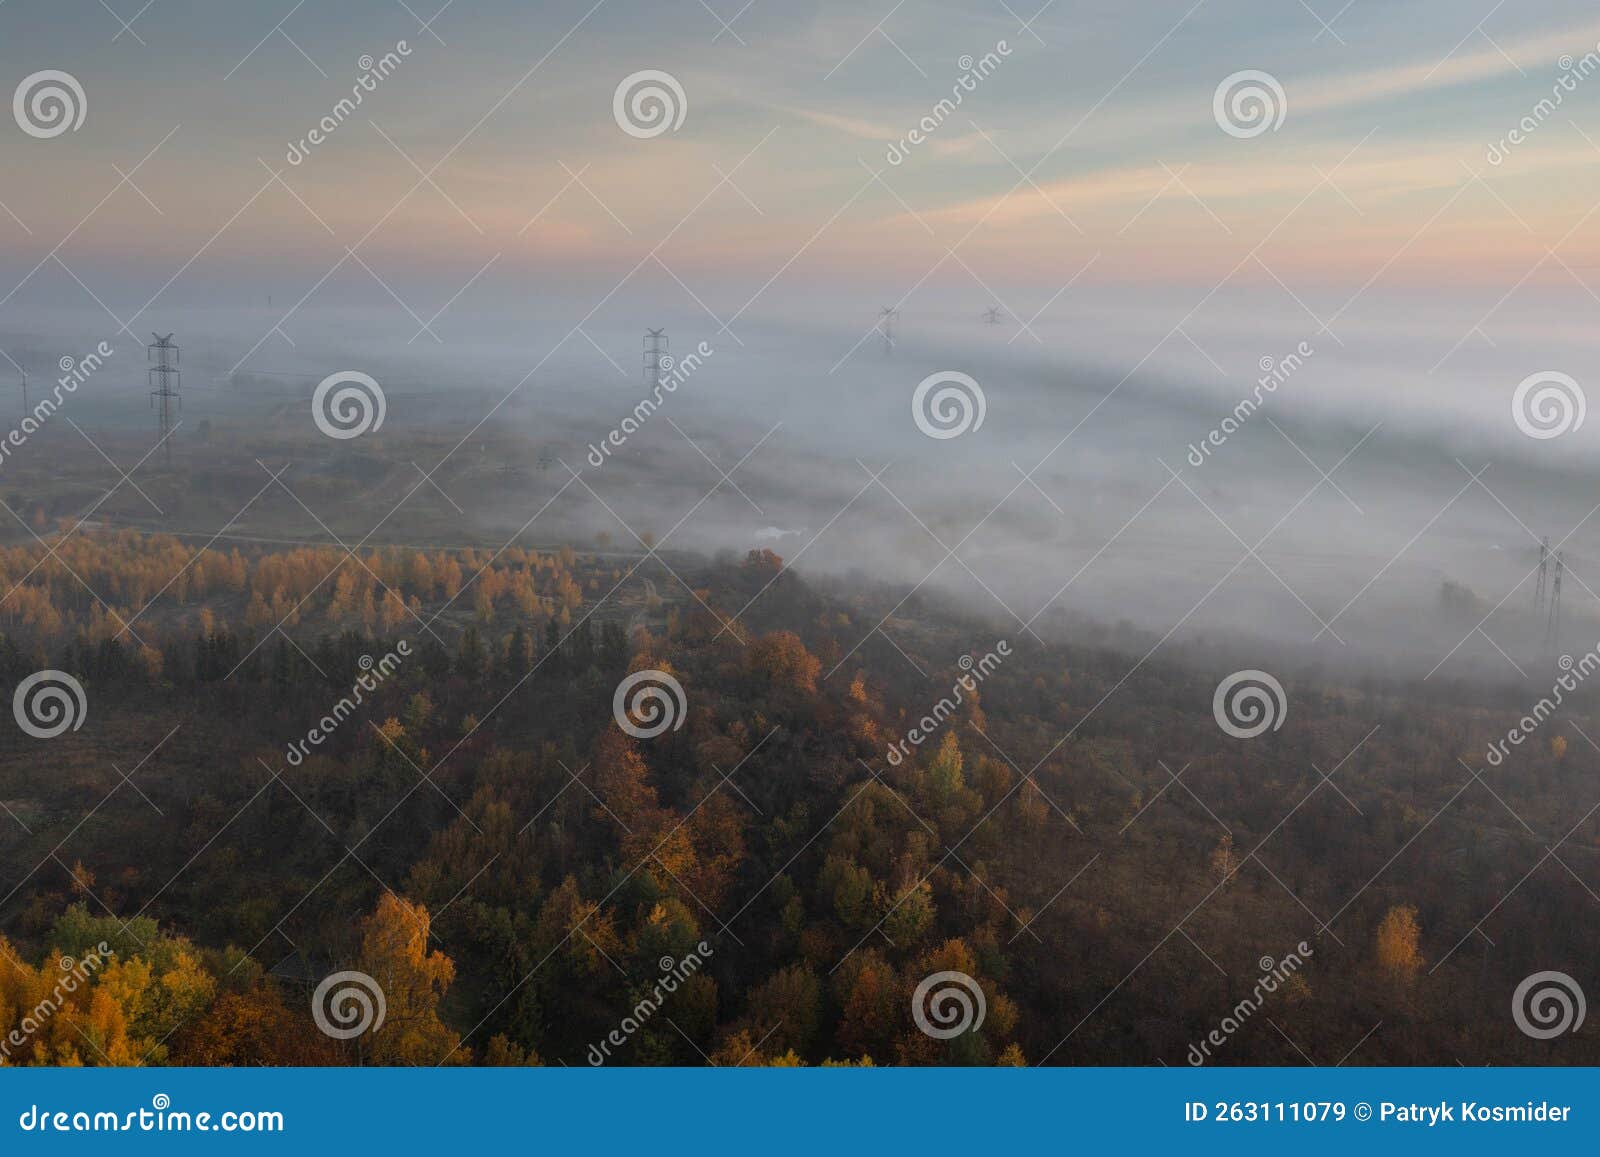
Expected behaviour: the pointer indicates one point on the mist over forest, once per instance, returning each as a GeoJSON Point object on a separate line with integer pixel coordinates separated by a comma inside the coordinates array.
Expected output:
{"type": "Point", "coordinates": [614, 533]}
{"type": "Point", "coordinates": [1386, 566]}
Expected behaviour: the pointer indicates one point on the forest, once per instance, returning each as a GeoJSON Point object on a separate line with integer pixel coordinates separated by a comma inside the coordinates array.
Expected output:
{"type": "Point", "coordinates": [416, 767]}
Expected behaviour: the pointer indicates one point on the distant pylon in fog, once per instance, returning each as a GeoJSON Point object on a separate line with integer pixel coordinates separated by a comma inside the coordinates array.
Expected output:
{"type": "Point", "coordinates": [1544, 564]}
{"type": "Point", "coordinates": [1552, 626]}
{"type": "Point", "coordinates": [886, 317]}
{"type": "Point", "coordinates": [164, 382]}
{"type": "Point", "coordinates": [655, 348]}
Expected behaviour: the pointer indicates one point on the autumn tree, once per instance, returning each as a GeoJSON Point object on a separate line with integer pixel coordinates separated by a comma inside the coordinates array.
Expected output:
{"type": "Point", "coordinates": [1225, 861]}
{"type": "Point", "coordinates": [55, 1026]}
{"type": "Point", "coordinates": [502, 1052]}
{"type": "Point", "coordinates": [395, 953]}
{"type": "Point", "coordinates": [254, 1027]}
{"type": "Point", "coordinates": [787, 1009]}
{"type": "Point", "coordinates": [783, 661]}
{"type": "Point", "coordinates": [944, 773]}
{"type": "Point", "coordinates": [1399, 937]}
{"type": "Point", "coordinates": [872, 999]}
{"type": "Point", "coordinates": [848, 888]}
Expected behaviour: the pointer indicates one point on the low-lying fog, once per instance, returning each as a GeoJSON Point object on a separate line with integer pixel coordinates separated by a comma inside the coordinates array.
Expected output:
{"type": "Point", "coordinates": [1079, 494]}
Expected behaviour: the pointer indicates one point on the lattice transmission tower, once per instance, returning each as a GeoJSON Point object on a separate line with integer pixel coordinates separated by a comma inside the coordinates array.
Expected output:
{"type": "Point", "coordinates": [164, 383]}
{"type": "Point", "coordinates": [1544, 567]}
{"type": "Point", "coordinates": [886, 317]}
{"type": "Point", "coordinates": [1552, 625]}
{"type": "Point", "coordinates": [655, 348]}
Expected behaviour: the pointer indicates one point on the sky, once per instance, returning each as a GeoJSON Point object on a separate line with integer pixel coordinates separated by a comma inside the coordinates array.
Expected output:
{"type": "Point", "coordinates": [1094, 134]}
{"type": "Point", "coordinates": [1413, 201]}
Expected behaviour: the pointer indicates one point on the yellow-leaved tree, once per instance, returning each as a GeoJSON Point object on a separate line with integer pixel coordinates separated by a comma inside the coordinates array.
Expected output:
{"type": "Point", "coordinates": [394, 952]}
{"type": "Point", "coordinates": [1399, 937]}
